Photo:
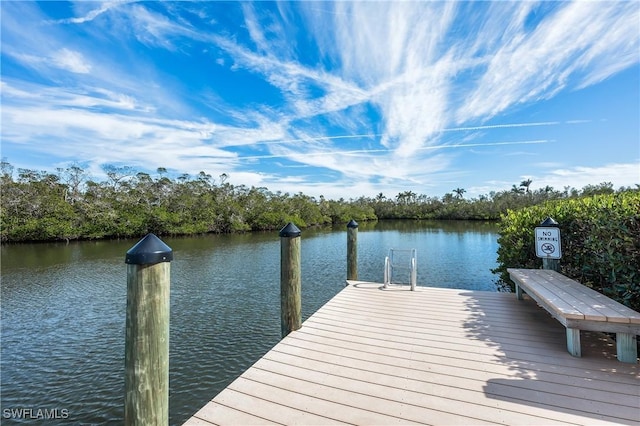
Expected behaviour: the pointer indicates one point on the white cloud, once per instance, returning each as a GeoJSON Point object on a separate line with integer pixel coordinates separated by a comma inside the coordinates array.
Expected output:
{"type": "Point", "coordinates": [82, 130]}
{"type": "Point", "coordinates": [588, 40]}
{"type": "Point", "coordinates": [394, 51]}
{"type": "Point", "coordinates": [64, 59]}
{"type": "Point", "coordinates": [71, 61]}
{"type": "Point", "coordinates": [93, 13]}
{"type": "Point", "coordinates": [619, 174]}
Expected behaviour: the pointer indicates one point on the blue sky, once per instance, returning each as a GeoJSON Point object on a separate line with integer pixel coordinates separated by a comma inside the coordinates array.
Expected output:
{"type": "Point", "coordinates": [340, 99]}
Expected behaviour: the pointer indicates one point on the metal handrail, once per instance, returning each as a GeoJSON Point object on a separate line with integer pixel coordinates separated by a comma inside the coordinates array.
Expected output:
{"type": "Point", "coordinates": [390, 265]}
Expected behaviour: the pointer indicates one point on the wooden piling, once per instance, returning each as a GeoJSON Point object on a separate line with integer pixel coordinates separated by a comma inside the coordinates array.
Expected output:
{"type": "Point", "coordinates": [352, 250]}
{"type": "Point", "coordinates": [147, 333]}
{"type": "Point", "coordinates": [290, 280]}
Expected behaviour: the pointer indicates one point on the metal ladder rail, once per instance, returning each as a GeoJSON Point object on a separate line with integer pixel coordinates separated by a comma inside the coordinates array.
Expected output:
{"type": "Point", "coordinates": [388, 268]}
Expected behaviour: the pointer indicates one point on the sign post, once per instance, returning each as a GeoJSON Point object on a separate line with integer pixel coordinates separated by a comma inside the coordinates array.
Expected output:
{"type": "Point", "coordinates": [548, 244]}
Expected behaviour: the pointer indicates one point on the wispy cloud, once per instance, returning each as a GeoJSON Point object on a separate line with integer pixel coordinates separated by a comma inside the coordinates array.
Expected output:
{"type": "Point", "coordinates": [368, 152]}
{"type": "Point", "coordinates": [453, 129]}
{"type": "Point", "coordinates": [378, 92]}
{"type": "Point", "coordinates": [71, 61]}
{"type": "Point", "coordinates": [92, 13]}
{"type": "Point", "coordinates": [586, 40]}
{"type": "Point", "coordinates": [623, 174]}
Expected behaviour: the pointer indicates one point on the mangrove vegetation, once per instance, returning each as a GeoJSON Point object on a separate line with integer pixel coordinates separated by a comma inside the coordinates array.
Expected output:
{"type": "Point", "coordinates": [600, 241]}
{"type": "Point", "coordinates": [70, 205]}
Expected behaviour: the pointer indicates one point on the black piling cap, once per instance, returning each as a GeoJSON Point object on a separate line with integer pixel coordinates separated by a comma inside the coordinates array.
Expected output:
{"type": "Point", "coordinates": [549, 222]}
{"type": "Point", "coordinates": [290, 230]}
{"type": "Point", "coordinates": [148, 251]}
{"type": "Point", "coordinates": [352, 224]}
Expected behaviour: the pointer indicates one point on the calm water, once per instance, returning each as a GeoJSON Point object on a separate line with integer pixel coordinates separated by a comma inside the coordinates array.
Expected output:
{"type": "Point", "coordinates": [64, 308]}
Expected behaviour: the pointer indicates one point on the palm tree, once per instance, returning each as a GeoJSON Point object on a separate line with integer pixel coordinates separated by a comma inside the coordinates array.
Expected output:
{"type": "Point", "coordinates": [459, 192]}
{"type": "Point", "coordinates": [525, 184]}
{"type": "Point", "coordinates": [406, 197]}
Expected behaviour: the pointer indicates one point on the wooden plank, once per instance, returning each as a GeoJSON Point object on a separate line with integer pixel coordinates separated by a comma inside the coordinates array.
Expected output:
{"type": "Point", "coordinates": [441, 311]}
{"type": "Point", "coordinates": [486, 308]}
{"type": "Point", "coordinates": [224, 415]}
{"type": "Point", "coordinates": [444, 329]}
{"type": "Point", "coordinates": [413, 399]}
{"type": "Point", "coordinates": [604, 326]}
{"type": "Point", "coordinates": [554, 354]}
{"type": "Point", "coordinates": [591, 303]}
{"type": "Point", "coordinates": [302, 395]}
{"type": "Point", "coordinates": [467, 390]}
{"type": "Point", "coordinates": [270, 410]}
{"type": "Point", "coordinates": [455, 324]}
{"type": "Point", "coordinates": [458, 352]}
{"type": "Point", "coordinates": [547, 298]}
{"type": "Point", "coordinates": [195, 421]}
{"type": "Point", "coordinates": [353, 354]}
{"type": "Point", "coordinates": [540, 284]}
{"type": "Point", "coordinates": [574, 294]}
{"type": "Point", "coordinates": [380, 402]}
{"type": "Point", "coordinates": [438, 337]}
{"type": "Point", "coordinates": [433, 356]}
{"type": "Point", "coordinates": [615, 311]}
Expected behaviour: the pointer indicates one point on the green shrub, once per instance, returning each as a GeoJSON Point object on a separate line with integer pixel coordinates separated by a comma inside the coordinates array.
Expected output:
{"type": "Point", "coordinates": [600, 239]}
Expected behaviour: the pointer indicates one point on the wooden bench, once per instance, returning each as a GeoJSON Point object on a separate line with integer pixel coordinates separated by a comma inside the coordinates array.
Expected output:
{"type": "Point", "coordinates": [578, 307]}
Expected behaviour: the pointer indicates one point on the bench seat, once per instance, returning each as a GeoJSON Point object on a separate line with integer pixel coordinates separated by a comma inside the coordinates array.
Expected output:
{"type": "Point", "coordinates": [578, 307]}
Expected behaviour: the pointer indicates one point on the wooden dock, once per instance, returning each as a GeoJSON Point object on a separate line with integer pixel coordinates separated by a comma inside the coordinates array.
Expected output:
{"type": "Point", "coordinates": [431, 356]}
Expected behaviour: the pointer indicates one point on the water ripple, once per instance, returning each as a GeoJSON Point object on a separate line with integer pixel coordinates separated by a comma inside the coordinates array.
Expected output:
{"type": "Point", "coordinates": [64, 307]}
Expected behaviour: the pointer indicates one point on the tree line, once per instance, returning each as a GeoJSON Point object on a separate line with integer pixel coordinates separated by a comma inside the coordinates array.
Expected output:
{"type": "Point", "coordinates": [70, 205]}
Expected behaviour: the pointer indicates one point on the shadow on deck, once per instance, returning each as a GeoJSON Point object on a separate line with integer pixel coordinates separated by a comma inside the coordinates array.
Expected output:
{"type": "Point", "coordinates": [532, 345]}
{"type": "Point", "coordinates": [430, 356]}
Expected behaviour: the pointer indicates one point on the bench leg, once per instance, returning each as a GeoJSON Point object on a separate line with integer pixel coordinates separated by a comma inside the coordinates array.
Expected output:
{"type": "Point", "coordinates": [573, 342]}
{"type": "Point", "coordinates": [627, 347]}
{"type": "Point", "coordinates": [518, 292]}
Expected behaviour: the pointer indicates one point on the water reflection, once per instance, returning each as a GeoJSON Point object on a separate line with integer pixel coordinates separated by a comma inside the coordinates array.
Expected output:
{"type": "Point", "coordinates": [411, 226]}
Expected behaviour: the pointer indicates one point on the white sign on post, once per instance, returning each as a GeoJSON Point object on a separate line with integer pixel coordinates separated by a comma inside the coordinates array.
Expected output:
{"type": "Point", "coordinates": [548, 242]}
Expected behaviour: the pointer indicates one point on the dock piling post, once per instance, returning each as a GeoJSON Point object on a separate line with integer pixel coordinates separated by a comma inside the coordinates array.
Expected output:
{"type": "Point", "coordinates": [290, 280]}
{"type": "Point", "coordinates": [147, 333]}
{"type": "Point", "coordinates": [352, 250]}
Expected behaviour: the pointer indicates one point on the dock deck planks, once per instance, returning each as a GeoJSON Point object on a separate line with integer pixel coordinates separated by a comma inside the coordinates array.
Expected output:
{"type": "Point", "coordinates": [432, 356]}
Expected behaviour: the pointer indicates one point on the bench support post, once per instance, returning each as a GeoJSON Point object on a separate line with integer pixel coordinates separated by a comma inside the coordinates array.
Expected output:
{"type": "Point", "coordinates": [518, 292]}
{"type": "Point", "coordinates": [573, 342]}
{"type": "Point", "coordinates": [627, 348]}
